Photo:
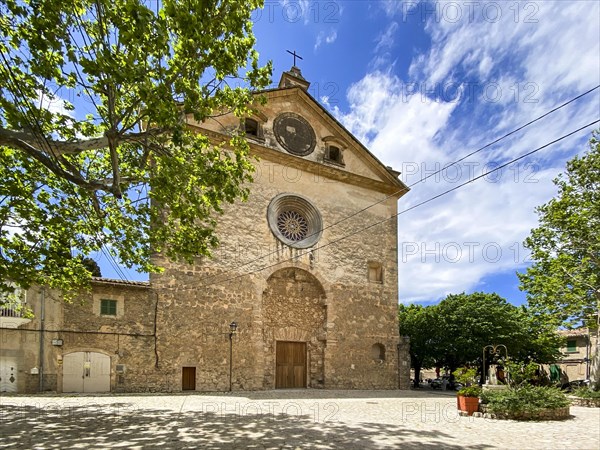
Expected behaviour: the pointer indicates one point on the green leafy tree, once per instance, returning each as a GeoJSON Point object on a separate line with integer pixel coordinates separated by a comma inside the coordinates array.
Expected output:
{"type": "Point", "coordinates": [454, 332]}
{"type": "Point", "coordinates": [564, 279]}
{"type": "Point", "coordinates": [469, 322]}
{"type": "Point", "coordinates": [92, 266]}
{"type": "Point", "coordinates": [539, 341]}
{"type": "Point", "coordinates": [420, 323]}
{"type": "Point", "coordinates": [96, 151]}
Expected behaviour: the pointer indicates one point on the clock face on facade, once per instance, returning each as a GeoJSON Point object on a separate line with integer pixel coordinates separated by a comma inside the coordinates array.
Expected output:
{"type": "Point", "coordinates": [295, 134]}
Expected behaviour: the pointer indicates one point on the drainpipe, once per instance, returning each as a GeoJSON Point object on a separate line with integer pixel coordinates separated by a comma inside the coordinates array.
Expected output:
{"type": "Point", "coordinates": [42, 317]}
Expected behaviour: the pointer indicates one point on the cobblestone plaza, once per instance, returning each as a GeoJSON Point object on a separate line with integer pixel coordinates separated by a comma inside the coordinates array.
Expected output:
{"type": "Point", "coordinates": [320, 419]}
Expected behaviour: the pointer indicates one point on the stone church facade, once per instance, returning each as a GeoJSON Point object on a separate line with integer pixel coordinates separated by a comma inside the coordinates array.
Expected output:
{"type": "Point", "coordinates": [310, 283]}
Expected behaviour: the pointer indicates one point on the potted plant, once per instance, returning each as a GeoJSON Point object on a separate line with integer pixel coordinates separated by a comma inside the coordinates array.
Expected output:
{"type": "Point", "coordinates": [467, 397]}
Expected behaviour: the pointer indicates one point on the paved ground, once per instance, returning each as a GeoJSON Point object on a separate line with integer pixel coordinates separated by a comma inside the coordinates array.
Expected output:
{"type": "Point", "coordinates": [278, 419]}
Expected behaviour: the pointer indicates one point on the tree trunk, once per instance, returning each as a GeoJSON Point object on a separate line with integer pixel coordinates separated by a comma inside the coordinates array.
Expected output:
{"type": "Point", "coordinates": [417, 375]}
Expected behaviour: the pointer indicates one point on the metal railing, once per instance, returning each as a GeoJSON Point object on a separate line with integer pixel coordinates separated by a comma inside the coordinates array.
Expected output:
{"type": "Point", "coordinates": [11, 311]}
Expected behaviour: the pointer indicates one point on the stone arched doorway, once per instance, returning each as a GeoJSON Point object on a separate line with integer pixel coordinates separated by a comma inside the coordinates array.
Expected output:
{"type": "Point", "coordinates": [294, 333]}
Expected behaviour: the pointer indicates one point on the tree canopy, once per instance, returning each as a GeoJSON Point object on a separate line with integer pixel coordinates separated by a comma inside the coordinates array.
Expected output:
{"type": "Point", "coordinates": [95, 149]}
{"type": "Point", "coordinates": [420, 324]}
{"type": "Point", "coordinates": [564, 279]}
{"type": "Point", "coordinates": [455, 331]}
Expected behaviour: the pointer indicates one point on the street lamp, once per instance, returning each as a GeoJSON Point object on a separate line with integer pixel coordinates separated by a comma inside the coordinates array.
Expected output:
{"type": "Point", "coordinates": [494, 350]}
{"type": "Point", "coordinates": [232, 331]}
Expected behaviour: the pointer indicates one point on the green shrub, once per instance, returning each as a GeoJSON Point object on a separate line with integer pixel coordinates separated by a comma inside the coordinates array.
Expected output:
{"type": "Point", "coordinates": [470, 391]}
{"type": "Point", "coordinates": [525, 399]}
{"type": "Point", "coordinates": [465, 375]}
{"type": "Point", "coordinates": [521, 373]}
{"type": "Point", "coordinates": [586, 393]}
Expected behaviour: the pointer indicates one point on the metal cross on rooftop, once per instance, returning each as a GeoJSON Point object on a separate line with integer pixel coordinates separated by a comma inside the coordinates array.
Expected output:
{"type": "Point", "coordinates": [294, 55]}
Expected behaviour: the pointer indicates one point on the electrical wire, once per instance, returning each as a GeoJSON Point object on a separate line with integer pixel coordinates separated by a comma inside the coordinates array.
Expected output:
{"type": "Point", "coordinates": [403, 190]}
{"type": "Point", "coordinates": [435, 197]}
{"type": "Point", "coordinates": [30, 116]}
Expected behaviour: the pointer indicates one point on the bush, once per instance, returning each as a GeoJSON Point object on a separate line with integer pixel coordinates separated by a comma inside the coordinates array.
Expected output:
{"type": "Point", "coordinates": [586, 393]}
{"type": "Point", "coordinates": [524, 400]}
{"type": "Point", "coordinates": [465, 375]}
{"type": "Point", "coordinates": [470, 391]}
{"type": "Point", "coordinates": [522, 373]}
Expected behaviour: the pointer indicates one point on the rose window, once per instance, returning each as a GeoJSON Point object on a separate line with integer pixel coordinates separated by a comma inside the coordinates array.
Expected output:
{"type": "Point", "coordinates": [294, 220]}
{"type": "Point", "coordinates": [292, 225]}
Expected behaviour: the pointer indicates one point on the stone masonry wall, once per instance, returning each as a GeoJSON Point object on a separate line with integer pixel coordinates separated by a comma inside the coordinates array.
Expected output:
{"type": "Point", "coordinates": [128, 338]}
{"type": "Point", "coordinates": [198, 301]}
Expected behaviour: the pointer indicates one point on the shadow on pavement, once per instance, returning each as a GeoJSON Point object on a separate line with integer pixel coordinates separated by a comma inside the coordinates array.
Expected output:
{"type": "Point", "coordinates": [124, 425]}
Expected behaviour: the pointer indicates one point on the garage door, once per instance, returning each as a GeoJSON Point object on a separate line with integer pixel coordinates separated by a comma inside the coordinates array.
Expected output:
{"type": "Point", "coordinates": [86, 372]}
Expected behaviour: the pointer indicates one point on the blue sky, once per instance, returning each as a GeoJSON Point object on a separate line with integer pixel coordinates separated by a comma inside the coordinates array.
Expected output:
{"type": "Point", "coordinates": [423, 83]}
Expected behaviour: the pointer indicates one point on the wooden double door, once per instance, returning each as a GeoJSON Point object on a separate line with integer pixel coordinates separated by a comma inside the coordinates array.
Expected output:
{"type": "Point", "coordinates": [290, 365]}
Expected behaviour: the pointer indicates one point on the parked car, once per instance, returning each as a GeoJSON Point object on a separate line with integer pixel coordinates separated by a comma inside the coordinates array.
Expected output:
{"type": "Point", "coordinates": [436, 383]}
{"type": "Point", "coordinates": [447, 381]}
{"type": "Point", "coordinates": [575, 384]}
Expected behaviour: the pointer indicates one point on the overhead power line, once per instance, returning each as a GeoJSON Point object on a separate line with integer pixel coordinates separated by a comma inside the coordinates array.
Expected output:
{"type": "Point", "coordinates": [435, 197]}
{"type": "Point", "coordinates": [447, 166]}
{"type": "Point", "coordinates": [30, 114]}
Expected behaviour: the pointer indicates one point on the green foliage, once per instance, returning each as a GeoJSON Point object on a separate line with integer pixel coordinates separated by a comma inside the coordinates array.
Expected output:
{"type": "Point", "coordinates": [465, 375]}
{"type": "Point", "coordinates": [419, 323]}
{"type": "Point", "coordinates": [96, 151]}
{"type": "Point", "coordinates": [470, 391]}
{"type": "Point", "coordinates": [564, 280]}
{"type": "Point", "coordinates": [14, 298]}
{"type": "Point", "coordinates": [469, 322]}
{"type": "Point", "coordinates": [521, 373]}
{"type": "Point", "coordinates": [92, 266]}
{"type": "Point", "coordinates": [454, 332]}
{"type": "Point", "coordinates": [524, 400]}
{"type": "Point", "coordinates": [586, 393]}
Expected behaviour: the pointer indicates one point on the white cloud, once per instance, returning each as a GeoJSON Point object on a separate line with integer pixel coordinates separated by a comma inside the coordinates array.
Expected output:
{"type": "Point", "coordinates": [385, 40]}
{"type": "Point", "coordinates": [295, 10]}
{"type": "Point", "coordinates": [505, 73]}
{"type": "Point", "coordinates": [55, 104]}
{"type": "Point", "coordinates": [394, 8]}
{"type": "Point", "coordinates": [327, 38]}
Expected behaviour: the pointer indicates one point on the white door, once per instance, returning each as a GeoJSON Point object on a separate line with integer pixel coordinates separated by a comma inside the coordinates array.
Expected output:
{"type": "Point", "coordinates": [86, 372]}
{"type": "Point", "coordinates": [8, 374]}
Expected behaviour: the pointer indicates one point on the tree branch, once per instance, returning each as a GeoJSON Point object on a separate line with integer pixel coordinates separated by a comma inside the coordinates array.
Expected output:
{"type": "Point", "coordinates": [73, 174]}
{"type": "Point", "coordinates": [27, 141]}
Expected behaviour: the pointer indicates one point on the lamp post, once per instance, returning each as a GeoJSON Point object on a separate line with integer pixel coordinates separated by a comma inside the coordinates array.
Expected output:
{"type": "Point", "coordinates": [232, 330]}
{"type": "Point", "coordinates": [495, 350]}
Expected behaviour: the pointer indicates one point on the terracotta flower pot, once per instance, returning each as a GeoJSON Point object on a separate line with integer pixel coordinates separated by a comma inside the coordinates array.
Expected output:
{"type": "Point", "coordinates": [468, 404]}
